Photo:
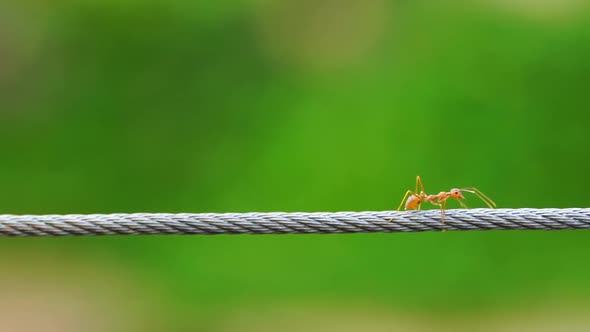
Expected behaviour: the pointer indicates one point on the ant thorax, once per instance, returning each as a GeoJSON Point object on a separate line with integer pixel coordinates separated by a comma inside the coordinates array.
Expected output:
{"type": "Point", "coordinates": [431, 198]}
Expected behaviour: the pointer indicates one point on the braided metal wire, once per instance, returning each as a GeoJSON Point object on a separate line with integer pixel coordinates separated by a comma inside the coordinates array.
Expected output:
{"type": "Point", "coordinates": [288, 223]}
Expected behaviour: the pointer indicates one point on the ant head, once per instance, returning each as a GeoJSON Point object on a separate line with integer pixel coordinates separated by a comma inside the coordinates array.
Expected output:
{"type": "Point", "coordinates": [456, 193]}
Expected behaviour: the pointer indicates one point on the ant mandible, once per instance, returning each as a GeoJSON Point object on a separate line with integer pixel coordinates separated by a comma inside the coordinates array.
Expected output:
{"type": "Point", "coordinates": [416, 198]}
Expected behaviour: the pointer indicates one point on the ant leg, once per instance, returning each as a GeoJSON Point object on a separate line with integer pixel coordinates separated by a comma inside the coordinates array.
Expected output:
{"type": "Point", "coordinates": [419, 184]}
{"type": "Point", "coordinates": [402, 202]}
{"type": "Point", "coordinates": [443, 207]}
{"type": "Point", "coordinates": [435, 203]}
{"type": "Point", "coordinates": [404, 199]}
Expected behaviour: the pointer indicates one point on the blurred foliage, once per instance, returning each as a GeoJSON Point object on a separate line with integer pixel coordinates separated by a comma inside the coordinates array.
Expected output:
{"type": "Point", "coordinates": [226, 106]}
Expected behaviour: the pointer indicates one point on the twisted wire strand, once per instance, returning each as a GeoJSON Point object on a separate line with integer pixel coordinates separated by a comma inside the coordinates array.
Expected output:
{"type": "Point", "coordinates": [291, 223]}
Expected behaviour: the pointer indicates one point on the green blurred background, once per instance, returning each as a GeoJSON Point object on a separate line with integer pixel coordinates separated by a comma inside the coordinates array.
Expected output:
{"type": "Point", "coordinates": [314, 105]}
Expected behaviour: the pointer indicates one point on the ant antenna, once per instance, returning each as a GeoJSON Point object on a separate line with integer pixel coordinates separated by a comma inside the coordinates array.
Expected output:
{"type": "Point", "coordinates": [481, 196]}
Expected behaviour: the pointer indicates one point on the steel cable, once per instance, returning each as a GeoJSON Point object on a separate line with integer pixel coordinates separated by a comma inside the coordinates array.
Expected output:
{"type": "Point", "coordinates": [293, 222]}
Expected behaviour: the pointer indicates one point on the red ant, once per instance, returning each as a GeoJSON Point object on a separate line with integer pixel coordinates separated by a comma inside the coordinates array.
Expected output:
{"type": "Point", "coordinates": [417, 198]}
